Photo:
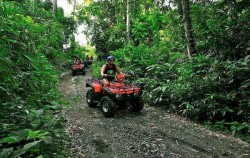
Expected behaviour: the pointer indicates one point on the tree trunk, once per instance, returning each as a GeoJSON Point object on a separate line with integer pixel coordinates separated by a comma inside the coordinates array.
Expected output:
{"type": "Point", "coordinates": [188, 28]}
{"type": "Point", "coordinates": [74, 8]}
{"type": "Point", "coordinates": [54, 7]}
{"type": "Point", "coordinates": [128, 22]}
{"type": "Point", "coordinates": [33, 5]}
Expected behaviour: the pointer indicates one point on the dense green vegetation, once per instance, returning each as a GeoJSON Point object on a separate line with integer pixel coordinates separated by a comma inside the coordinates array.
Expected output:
{"type": "Point", "coordinates": [31, 54]}
{"type": "Point", "coordinates": [211, 86]}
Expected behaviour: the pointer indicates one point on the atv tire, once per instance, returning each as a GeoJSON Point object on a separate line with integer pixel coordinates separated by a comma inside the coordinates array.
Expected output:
{"type": "Point", "coordinates": [83, 72]}
{"type": "Point", "coordinates": [108, 107]}
{"type": "Point", "coordinates": [136, 105]}
{"type": "Point", "coordinates": [90, 98]}
{"type": "Point", "coordinates": [73, 73]}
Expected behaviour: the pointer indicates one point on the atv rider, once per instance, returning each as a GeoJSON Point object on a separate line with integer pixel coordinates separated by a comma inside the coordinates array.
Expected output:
{"type": "Point", "coordinates": [78, 60]}
{"type": "Point", "coordinates": [108, 71]}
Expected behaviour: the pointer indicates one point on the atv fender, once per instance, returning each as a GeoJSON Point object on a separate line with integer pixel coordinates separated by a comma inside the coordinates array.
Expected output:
{"type": "Point", "coordinates": [96, 85]}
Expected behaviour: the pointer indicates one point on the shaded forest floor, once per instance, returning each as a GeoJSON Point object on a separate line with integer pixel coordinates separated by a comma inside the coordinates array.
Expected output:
{"type": "Point", "coordinates": [152, 133]}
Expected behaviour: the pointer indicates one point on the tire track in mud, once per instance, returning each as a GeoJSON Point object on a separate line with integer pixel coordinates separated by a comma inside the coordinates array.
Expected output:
{"type": "Point", "coordinates": [152, 133]}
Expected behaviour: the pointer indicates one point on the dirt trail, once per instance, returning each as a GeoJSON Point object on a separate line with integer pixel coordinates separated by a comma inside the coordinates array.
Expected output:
{"type": "Point", "coordinates": [152, 133]}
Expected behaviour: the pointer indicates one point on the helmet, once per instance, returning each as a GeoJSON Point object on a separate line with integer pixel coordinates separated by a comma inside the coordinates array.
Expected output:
{"type": "Point", "coordinates": [110, 57]}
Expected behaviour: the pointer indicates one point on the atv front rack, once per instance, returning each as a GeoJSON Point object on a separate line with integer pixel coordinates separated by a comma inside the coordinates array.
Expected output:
{"type": "Point", "coordinates": [114, 88]}
{"type": "Point", "coordinates": [125, 89]}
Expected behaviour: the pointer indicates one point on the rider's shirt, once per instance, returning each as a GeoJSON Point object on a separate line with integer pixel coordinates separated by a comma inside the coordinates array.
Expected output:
{"type": "Point", "coordinates": [110, 71]}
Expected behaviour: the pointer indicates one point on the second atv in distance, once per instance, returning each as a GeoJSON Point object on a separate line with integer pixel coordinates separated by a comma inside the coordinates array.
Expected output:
{"type": "Point", "coordinates": [116, 95]}
{"type": "Point", "coordinates": [77, 68]}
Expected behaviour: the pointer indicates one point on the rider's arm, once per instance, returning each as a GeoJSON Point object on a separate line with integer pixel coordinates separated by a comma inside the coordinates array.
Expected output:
{"type": "Point", "coordinates": [102, 70]}
{"type": "Point", "coordinates": [118, 70]}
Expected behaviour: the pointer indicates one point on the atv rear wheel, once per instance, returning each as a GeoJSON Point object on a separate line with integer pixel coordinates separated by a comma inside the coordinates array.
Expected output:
{"type": "Point", "coordinates": [90, 98]}
{"type": "Point", "coordinates": [108, 106]}
{"type": "Point", "coordinates": [136, 105]}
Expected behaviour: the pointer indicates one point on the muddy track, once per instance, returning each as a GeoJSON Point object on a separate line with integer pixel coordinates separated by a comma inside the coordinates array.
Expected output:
{"type": "Point", "coordinates": [152, 133]}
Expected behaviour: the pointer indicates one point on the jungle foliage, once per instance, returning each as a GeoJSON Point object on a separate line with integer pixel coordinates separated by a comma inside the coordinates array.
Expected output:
{"type": "Point", "coordinates": [212, 87]}
{"type": "Point", "coordinates": [31, 54]}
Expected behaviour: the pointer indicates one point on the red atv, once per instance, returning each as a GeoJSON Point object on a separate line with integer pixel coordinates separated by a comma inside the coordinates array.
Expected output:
{"type": "Point", "coordinates": [116, 95]}
{"type": "Point", "coordinates": [77, 68]}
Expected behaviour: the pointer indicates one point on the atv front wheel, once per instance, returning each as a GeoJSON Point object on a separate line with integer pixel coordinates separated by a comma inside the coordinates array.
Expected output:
{"type": "Point", "coordinates": [73, 73]}
{"type": "Point", "coordinates": [108, 106]}
{"type": "Point", "coordinates": [136, 105]}
{"type": "Point", "coordinates": [83, 72]}
{"type": "Point", "coordinates": [90, 98]}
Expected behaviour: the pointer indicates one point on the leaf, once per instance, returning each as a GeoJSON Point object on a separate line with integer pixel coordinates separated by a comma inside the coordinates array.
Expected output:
{"type": "Point", "coordinates": [21, 134]}
{"type": "Point", "coordinates": [26, 147]}
{"type": "Point", "coordinates": [28, 19]}
{"type": "Point", "coordinates": [36, 123]}
{"type": "Point", "coordinates": [11, 40]}
{"type": "Point", "coordinates": [33, 62]}
{"type": "Point", "coordinates": [6, 152]}
{"type": "Point", "coordinates": [49, 107]}
{"type": "Point", "coordinates": [36, 113]}
{"type": "Point", "coordinates": [9, 140]}
{"type": "Point", "coordinates": [38, 134]}
{"type": "Point", "coordinates": [30, 145]}
{"type": "Point", "coordinates": [245, 85]}
{"type": "Point", "coordinates": [241, 127]}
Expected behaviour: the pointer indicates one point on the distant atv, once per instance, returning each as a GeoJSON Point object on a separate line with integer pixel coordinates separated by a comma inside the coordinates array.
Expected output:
{"type": "Point", "coordinates": [117, 95]}
{"type": "Point", "coordinates": [77, 68]}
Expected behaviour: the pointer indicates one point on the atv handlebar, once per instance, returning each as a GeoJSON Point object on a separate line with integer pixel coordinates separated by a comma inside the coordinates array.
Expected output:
{"type": "Point", "coordinates": [106, 75]}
